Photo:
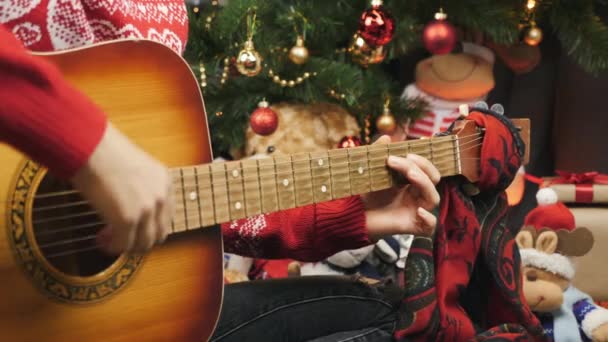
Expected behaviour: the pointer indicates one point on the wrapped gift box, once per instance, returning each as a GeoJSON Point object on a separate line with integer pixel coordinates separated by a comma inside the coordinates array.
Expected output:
{"type": "Point", "coordinates": [589, 187]}
{"type": "Point", "coordinates": [592, 269]}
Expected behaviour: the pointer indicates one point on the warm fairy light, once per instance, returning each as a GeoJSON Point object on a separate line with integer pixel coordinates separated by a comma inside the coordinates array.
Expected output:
{"type": "Point", "coordinates": [376, 3]}
{"type": "Point", "coordinates": [441, 15]}
{"type": "Point", "coordinates": [531, 4]}
{"type": "Point", "coordinates": [360, 42]}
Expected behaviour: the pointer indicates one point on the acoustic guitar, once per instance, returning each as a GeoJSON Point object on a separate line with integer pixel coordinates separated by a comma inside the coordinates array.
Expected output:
{"type": "Point", "coordinates": [55, 285]}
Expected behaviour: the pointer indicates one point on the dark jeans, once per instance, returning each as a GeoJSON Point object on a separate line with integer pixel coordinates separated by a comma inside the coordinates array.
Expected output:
{"type": "Point", "coordinates": [319, 309]}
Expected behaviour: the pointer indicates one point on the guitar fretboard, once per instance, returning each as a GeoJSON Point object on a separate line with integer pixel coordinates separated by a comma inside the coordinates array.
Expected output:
{"type": "Point", "coordinates": [221, 192]}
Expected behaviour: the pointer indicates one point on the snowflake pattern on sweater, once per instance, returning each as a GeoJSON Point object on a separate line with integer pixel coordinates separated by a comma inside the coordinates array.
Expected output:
{"type": "Point", "coordinates": [53, 25]}
{"type": "Point", "coordinates": [248, 234]}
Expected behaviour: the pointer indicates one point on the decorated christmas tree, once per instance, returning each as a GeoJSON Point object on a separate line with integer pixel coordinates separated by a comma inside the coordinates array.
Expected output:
{"type": "Point", "coordinates": [248, 52]}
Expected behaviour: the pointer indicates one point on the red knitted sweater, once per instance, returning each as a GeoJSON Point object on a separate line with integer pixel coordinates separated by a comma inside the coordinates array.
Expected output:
{"type": "Point", "coordinates": [46, 118]}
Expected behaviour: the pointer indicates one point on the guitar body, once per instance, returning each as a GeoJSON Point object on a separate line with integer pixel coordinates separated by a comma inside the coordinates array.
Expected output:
{"type": "Point", "coordinates": [171, 294]}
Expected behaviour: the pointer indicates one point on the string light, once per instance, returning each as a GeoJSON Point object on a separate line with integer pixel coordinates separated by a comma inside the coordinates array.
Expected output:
{"type": "Point", "coordinates": [225, 71]}
{"type": "Point", "coordinates": [336, 95]}
{"type": "Point", "coordinates": [367, 129]}
{"type": "Point", "coordinates": [201, 68]}
{"type": "Point", "coordinates": [531, 4]}
{"type": "Point", "coordinates": [289, 83]}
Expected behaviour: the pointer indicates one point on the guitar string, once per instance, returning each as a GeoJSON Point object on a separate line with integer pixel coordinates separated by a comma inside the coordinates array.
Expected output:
{"type": "Point", "coordinates": [213, 185]}
{"type": "Point", "coordinates": [69, 241]}
{"type": "Point", "coordinates": [57, 243]}
{"type": "Point", "coordinates": [224, 172]}
{"type": "Point", "coordinates": [192, 187]}
{"type": "Point", "coordinates": [359, 153]}
{"type": "Point", "coordinates": [413, 143]}
{"type": "Point", "coordinates": [95, 247]}
{"type": "Point", "coordinates": [76, 250]}
{"type": "Point", "coordinates": [72, 228]}
{"type": "Point", "coordinates": [349, 163]}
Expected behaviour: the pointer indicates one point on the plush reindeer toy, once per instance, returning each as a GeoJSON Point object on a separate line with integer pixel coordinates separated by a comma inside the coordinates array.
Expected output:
{"type": "Point", "coordinates": [548, 242]}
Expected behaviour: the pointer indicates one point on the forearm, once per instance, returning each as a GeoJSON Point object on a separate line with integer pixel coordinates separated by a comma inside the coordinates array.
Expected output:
{"type": "Point", "coordinates": [309, 233]}
{"type": "Point", "coordinates": [41, 114]}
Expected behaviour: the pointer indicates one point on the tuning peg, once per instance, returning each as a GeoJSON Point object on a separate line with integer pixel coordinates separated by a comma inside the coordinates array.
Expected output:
{"type": "Point", "coordinates": [498, 108]}
{"type": "Point", "coordinates": [481, 104]}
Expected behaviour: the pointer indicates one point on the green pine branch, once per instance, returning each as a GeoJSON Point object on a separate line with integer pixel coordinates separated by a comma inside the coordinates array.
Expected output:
{"type": "Point", "coordinates": [582, 34]}
{"type": "Point", "coordinates": [329, 27]}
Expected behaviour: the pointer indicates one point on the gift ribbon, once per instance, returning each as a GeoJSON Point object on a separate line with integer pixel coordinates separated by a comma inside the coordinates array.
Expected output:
{"type": "Point", "coordinates": [583, 183]}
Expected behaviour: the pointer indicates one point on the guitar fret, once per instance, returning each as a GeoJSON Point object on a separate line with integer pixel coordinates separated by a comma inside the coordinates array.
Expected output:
{"type": "Point", "coordinates": [339, 168]}
{"type": "Point", "coordinates": [359, 169]}
{"type": "Point", "coordinates": [252, 187]}
{"type": "Point", "coordinates": [379, 173]}
{"type": "Point", "coordinates": [180, 213]}
{"type": "Point", "coordinates": [220, 192]}
{"type": "Point", "coordinates": [190, 198]}
{"type": "Point", "coordinates": [285, 184]}
{"type": "Point", "coordinates": [268, 185]}
{"type": "Point", "coordinates": [442, 155]}
{"type": "Point", "coordinates": [198, 196]}
{"type": "Point", "coordinates": [206, 198]}
{"type": "Point", "coordinates": [321, 177]}
{"type": "Point", "coordinates": [302, 179]}
{"type": "Point", "coordinates": [181, 174]}
{"type": "Point", "coordinates": [176, 224]}
{"type": "Point", "coordinates": [456, 142]}
{"type": "Point", "coordinates": [236, 190]}
{"type": "Point", "coordinates": [430, 143]}
{"type": "Point", "coordinates": [398, 149]}
{"type": "Point", "coordinates": [418, 147]}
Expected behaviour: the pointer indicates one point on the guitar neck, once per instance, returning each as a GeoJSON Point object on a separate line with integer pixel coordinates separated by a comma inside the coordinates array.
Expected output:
{"type": "Point", "coordinates": [220, 192]}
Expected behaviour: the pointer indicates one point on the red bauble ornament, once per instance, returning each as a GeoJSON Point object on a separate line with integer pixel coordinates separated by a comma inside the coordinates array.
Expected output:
{"type": "Point", "coordinates": [377, 25]}
{"type": "Point", "coordinates": [439, 37]}
{"type": "Point", "coordinates": [349, 141]}
{"type": "Point", "coordinates": [264, 121]}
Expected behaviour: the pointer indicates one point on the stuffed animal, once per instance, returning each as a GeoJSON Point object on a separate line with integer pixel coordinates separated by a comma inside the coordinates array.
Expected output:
{"type": "Point", "coordinates": [301, 128]}
{"type": "Point", "coordinates": [445, 82]}
{"type": "Point", "coordinates": [548, 242]}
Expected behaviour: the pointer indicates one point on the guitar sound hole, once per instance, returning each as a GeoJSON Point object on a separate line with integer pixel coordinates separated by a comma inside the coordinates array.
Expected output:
{"type": "Point", "coordinates": [65, 228]}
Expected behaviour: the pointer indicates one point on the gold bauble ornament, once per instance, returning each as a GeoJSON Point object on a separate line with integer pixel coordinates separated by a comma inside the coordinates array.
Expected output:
{"type": "Point", "coordinates": [386, 123]}
{"type": "Point", "coordinates": [533, 35]}
{"type": "Point", "coordinates": [249, 61]}
{"type": "Point", "coordinates": [364, 54]}
{"type": "Point", "coordinates": [299, 53]}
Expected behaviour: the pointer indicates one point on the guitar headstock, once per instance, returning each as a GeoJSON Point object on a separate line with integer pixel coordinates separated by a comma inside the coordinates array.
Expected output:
{"type": "Point", "coordinates": [470, 139]}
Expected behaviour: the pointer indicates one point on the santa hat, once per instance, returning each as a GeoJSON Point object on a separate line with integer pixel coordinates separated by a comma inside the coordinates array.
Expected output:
{"type": "Point", "coordinates": [550, 215]}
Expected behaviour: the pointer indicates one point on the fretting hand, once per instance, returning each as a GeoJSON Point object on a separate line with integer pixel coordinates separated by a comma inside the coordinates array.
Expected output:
{"type": "Point", "coordinates": [405, 209]}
